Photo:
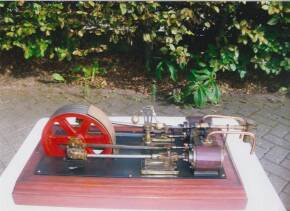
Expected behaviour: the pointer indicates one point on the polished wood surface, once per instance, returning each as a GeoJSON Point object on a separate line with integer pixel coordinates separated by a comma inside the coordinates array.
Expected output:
{"type": "Point", "coordinates": [129, 193]}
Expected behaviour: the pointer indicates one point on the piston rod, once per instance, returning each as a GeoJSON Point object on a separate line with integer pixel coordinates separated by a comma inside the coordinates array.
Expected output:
{"type": "Point", "coordinates": [150, 156]}
{"type": "Point", "coordinates": [121, 146]}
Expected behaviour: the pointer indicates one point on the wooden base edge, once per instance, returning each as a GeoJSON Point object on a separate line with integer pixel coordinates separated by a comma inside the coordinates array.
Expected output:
{"type": "Point", "coordinates": [129, 193]}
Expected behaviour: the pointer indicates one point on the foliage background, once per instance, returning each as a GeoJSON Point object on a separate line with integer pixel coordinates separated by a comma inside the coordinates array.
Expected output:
{"type": "Point", "coordinates": [187, 42]}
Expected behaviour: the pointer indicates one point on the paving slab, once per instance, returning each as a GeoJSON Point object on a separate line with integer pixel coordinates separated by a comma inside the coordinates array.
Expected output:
{"type": "Point", "coordinates": [280, 130]}
{"type": "Point", "coordinates": [285, 199]}
{"type": "Point", "coordinates": [286, 163]}
{"type": "Point", "coordinates": [278, 182]}
{"type": "Point", "coordinates": [277, 154]}
{"type": "Point", "coordinates": [21, 107]}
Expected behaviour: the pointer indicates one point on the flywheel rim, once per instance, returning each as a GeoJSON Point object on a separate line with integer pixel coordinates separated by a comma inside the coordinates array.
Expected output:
{"type": "Point", "coordinates": [95, 129]}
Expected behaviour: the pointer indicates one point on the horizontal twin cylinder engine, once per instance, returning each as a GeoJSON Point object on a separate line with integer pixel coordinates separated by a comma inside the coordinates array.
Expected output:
{"type": "Point", "coordinates": [79, 132]}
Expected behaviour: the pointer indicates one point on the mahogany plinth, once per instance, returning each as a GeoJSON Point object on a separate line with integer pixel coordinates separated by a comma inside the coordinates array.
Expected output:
{"type": "Point", "coordinates": [128, 193]}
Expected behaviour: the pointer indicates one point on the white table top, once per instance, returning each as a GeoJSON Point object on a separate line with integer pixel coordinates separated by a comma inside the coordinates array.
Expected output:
{"type": "Point", "coordinates": [260, 192]}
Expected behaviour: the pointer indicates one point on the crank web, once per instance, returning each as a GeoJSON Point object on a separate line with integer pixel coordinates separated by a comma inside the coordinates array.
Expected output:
{"type": "Point", "coordinates": [76, 121]}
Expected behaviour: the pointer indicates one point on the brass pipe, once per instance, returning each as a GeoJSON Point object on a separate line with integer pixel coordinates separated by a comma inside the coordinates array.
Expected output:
{"type": "Point", "coordinates": [239, 119]}
{"type": "Point", "coordinates": [243, 133]}
{"type": "Point", "coordinates": [228, 127]}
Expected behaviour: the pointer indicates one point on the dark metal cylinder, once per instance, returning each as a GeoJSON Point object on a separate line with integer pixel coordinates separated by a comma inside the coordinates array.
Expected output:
{"type": "Point", "coordinates": [207, 158]}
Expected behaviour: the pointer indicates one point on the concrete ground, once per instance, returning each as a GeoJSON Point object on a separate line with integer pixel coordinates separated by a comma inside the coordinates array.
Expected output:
{"type": "Point", "coordinates": [22, 106]}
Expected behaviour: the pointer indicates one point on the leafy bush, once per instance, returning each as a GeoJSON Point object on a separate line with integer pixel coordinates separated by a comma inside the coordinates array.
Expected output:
{"type": "Point", "coordinates": [182, 40]}
{"type": "Point", "coordinates": [84, 74]}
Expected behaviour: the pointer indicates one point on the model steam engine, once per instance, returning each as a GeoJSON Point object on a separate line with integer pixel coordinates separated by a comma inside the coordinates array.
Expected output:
{"type": "Point", "coordinates": [86, 159]}
{"type": "Point", "coordinates": [83, 141]}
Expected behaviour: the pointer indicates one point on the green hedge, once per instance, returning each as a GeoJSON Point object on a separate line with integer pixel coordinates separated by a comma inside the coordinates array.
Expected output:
{"type": "Point", "coordinates": [194, 40]}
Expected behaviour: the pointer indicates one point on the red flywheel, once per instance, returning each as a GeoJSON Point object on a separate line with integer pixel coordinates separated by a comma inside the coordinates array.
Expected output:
{"type": "Point", "coordinates": [87, 123]}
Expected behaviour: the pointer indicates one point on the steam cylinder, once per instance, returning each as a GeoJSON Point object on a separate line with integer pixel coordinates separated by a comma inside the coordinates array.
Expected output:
{"type": "Point", "coordinates": [207, 158]}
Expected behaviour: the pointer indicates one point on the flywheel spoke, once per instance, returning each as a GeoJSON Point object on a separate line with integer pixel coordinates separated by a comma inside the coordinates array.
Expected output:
{"type": "Point", "coordinates": [84, 127]}
{"type": "Point", "coordinates": [67, 127]}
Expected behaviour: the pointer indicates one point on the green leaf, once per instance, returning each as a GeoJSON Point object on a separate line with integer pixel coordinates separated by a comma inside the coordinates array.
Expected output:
{"type": "Point", "coordinates": [159, 70]}
{"type": "Point", "coordinates": [265, 7]}
{"type": "Point", "coordinates": [91, 3]}
{"type": "Point", "coordinates": [233, 67]}
{"type": "Point", "coordinates": [28, 51]}
{"type": "Point", "coordinates": [172, 47]}
{"type": "Point", "coordinates": [199, 97]}
{"type": "Point", "coordinates": [207, 24]}
{"type": "Point", "coordinates": [216, 92]}
{"type": "Point", "coordinates": [210, 95]}
{"type": "Point", "coordinates": [62, 53]}
{"type": "Point", "coordinates": [201, 77]}
{"type": "Point", "coordinates": [147, 37]}
{"type": "Point", "coordinates": [216, 9]}
{"type": "Point", "coordinates": [42, 45]}
{"type": "Point", "coordinates": [8, 20]}
{"type": "Point", "coordinates": [58, 77]}
{"type": "Point", "coordinates": [123, 8]}
{"type": "Point", "coordinates": [77, 69]}
{"type": "Point", "coordinates": [192, 75]}
{"type": "Point", "coordinates": [273, 21]}
{"type": "Point", "coordinates": [87, 72]}
{"type": "Point", "coordinates": [283, 90]}
{"type": "Point", "coordinates": [188, 90]}
{"type": "Point", "coordinates": [172, 72]}
{"type": "Point", "coordinates": [201, 64]}
{"type": "Point", "coordinates": [174, 30]}
{"type": "Point", "coordinates": [242, 73]}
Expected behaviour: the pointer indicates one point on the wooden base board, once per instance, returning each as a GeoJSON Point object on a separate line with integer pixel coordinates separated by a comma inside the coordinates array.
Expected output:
{"type": "Point", "coordinates": [129, 193]}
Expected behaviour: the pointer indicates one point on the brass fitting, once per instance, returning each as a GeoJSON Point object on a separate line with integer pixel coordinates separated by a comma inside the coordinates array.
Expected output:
{"type": "Point", "coordinates": [147, 137]}
{"type": "Point", "coordinates": [75, 149]}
